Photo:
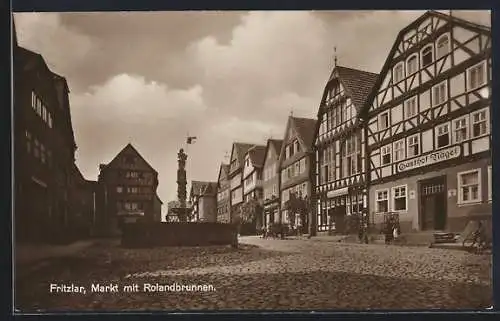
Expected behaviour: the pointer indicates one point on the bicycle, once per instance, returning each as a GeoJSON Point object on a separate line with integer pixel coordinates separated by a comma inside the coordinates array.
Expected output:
{"type": "Point", "coordinates": [476, 240]}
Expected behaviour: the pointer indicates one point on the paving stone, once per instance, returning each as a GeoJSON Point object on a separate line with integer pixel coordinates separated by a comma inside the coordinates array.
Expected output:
{"type": "Point", "coordinates": [270, 274]}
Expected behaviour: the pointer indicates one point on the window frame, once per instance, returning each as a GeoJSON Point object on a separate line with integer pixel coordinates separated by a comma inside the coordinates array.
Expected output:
{"type": "Point", "coordinates": [393, 198]}
{"type": "Point", "coordinates": [394, 73]}
{"type": "Point", "coordinates": [408, 73]}
{"type": "Point", "coordinates": [485, 76]}
{"type": "Point", "coordinates": [380, 120]}
{"type": "Point", "coordinates": [431, 47]}
{"type": "Point", "coordinates": [436, 135]}
{"type": "Point", "coordinates": [415, 105]}
{"type": "Point", "coordinates": [455, 129]}
{"type": "Point", "coordinates": [486, 120]}
{"type": "Point", "coordinates": [460, 200]}
{"type": "Point", "coordinates": [394, 150]}
{"type": "Point", "coordinates": [446, 98]}
{"type": "Point", "coordinates": [408, 145]}
{"type": "Point", "coordinates": [386, 150]}
{"type": "Point", "coordinates": [377, 200]}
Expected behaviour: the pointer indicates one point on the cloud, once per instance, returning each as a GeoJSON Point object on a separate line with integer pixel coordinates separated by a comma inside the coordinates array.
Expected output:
{"type": "Point", "coordinates": [63, 48]}
{"type": "Point", "coordinates": [269, 53]}
{"type": "Point", "coordinates": [127, 108]}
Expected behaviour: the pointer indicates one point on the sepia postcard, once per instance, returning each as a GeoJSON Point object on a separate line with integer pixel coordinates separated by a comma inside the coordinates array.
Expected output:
{"type": "Point", "coordinates": [252, 160]}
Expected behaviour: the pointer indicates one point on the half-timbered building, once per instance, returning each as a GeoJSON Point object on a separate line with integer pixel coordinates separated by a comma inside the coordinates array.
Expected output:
{"type": "Point", "coordinates": [271, 181]}
{"type": "Point", "coordinates": [295, 162]}
{"type": "Point", "coordinates": [428, 126]}
{"type": "Point", "coordinates": [128, 185]}
{"type": "Point", "coordinates": [341, 184]}
{"type": "Point", "coordinates": [223, 189]}
{"type": "Point", "coordinates": [252, 173]}
{"type": "Point", "coordinates": [238, 152]}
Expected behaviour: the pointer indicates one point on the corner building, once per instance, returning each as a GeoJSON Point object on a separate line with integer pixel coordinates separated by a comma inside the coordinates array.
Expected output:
{"type": "Point", "coordinates": [428, 126]}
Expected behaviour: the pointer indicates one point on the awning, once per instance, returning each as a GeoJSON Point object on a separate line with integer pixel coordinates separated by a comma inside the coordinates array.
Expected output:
{"type": "Point", "coordinates": [338, 192]}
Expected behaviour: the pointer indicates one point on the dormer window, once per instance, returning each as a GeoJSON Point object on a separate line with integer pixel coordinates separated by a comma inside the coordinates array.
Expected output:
{"type": "Point", "coordinates": [427, 56]}
{"type": "Point", "coordinates": [443, 46]}
{"type": "Point", "coordinates": [412, 65]}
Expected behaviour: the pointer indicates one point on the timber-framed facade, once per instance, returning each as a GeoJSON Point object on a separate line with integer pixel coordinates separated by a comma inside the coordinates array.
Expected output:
{"type": "Point", "coordinates": [340, 173]}
{"type": "Point", "coordinates": [428, 126]}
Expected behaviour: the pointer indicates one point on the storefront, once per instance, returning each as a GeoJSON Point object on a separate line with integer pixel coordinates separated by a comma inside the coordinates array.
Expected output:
{"type": "Point", "coordinates": [337, 207]}
{"type": "Point", "coordinates": [443, 199]}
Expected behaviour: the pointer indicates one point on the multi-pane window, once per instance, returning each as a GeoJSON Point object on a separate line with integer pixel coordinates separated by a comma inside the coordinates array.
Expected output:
{"type": "Point", "coordinates": [386, 154]}
{"type": "Point", "coordinates": [443, 46]}
{"type": "Point", "coordinates": [399, 198]}
{"type": "Point", "coordinates": [412, 65]}
{"type": "Point", "coordinates": [439, 93]}
{"type": "Point", "coordinates": [351, 158]}
{"type": "Point", "coordinates": [327, 173]}
{"type": "Point", "coordinates": [384, 120]}
{"type": "Point", "coordinates": [398, 72]}
{"type": "Point", "coordinates": [399, 150]}
{"type": "Point", "coordinates": [382, 201]}
{"type": "Point", "coordinates": [469, 186]}
{"type": "Point", "coordinates": [132, 175]}
{"type": "Point", "coordinates": [442, 135]}
{"type": "Point", "coordinates": [413, 146]}
{"type": "Point", "coordinates": [460, 129]}
{"type": "Point", "coordinates": [476, 76]}
{"type": "Point", "coordinates": [427, 56]}
{"type": "Point", "coordinates": [479, 121]}
{"type": "Point", "coordinates": [28, 142]}
{"type": "Point", "coordinates": [411, 107]}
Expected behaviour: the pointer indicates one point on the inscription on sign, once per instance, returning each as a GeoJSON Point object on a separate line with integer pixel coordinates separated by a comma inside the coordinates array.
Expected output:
{"type": "Point", "coordinates": [431, 158]}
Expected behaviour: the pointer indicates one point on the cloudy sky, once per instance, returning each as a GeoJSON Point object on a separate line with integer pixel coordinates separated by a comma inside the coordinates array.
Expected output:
{"type": "Point", "coordinates": [150, 78]}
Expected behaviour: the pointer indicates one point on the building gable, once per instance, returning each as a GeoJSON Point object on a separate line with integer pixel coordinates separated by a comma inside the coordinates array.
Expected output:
{"type": "Point", "coordinates": [466, 40]}
{"type": "Point", "coordinates": [130, 158]}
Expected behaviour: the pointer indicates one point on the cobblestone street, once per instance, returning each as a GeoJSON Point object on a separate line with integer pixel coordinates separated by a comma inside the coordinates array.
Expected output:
{"type": "Point", "coordinates": [266, 274]}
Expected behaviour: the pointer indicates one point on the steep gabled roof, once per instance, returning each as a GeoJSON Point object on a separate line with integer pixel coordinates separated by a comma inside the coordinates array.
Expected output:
{"type": "Point", "coordinates": [159, 199]}
{"type": "Point", "coordinates": [241, 149]}
{"type": "Point", "coordinates": [305, 130]}
{"type": "Point", "coordinates": [197, 188]}
{"type": "Point", "coordinates": [223, 168]}
{"type": "Point", "coordinates": [276, 143]}
{"type": "Point", "coordinates": [273, 143]}
{"type": "Point", "coordinates": [357, 83]}
{"type": "Point", "coordinates": [210, 189]}
{"type": "Point", "coordinates": [256, 154]}
{"type": "Point", "coordinates": [404, 31]}
{"type": "Point", "coordinates": [125, 149]}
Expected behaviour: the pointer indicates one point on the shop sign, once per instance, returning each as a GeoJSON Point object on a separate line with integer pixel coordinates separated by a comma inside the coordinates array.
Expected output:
{"type": "Point", "coordinates": [429, 159]}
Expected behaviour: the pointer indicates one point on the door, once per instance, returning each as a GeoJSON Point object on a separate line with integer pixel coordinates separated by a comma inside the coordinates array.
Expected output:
{"type": "Point", "coordinates": [433, 204]}
{"type": "Point", "coordinates": [339, 218]}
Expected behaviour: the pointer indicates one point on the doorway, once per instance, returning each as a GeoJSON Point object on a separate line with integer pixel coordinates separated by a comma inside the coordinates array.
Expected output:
{"type": "Point", "coordinates": [433, 201]}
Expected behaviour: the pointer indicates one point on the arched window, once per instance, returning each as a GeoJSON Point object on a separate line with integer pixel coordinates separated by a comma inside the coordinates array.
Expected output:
{"type": "Point", "coordinates": [398, 73]}
{"type": "Point", "coordinates": [412, 65]}
{"type": "Point", "coordinates": [427, 56]}
{"type": "Point", "coordinates": [443, 46]}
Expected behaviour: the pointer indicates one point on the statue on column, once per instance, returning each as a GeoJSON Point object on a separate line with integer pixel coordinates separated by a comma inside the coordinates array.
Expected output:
{"type": "Point", "coordinates": [181, 178]}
